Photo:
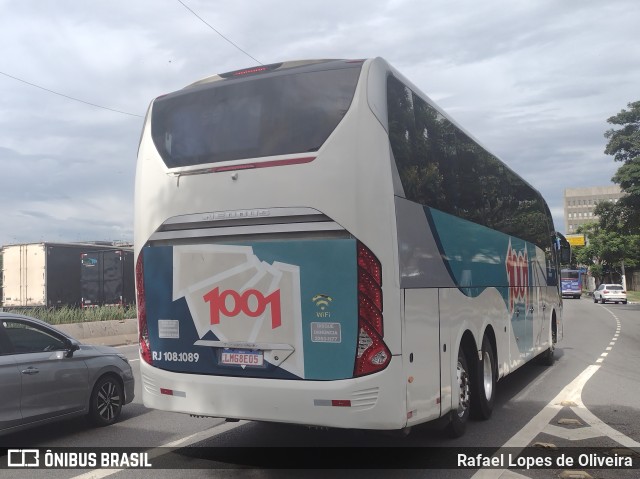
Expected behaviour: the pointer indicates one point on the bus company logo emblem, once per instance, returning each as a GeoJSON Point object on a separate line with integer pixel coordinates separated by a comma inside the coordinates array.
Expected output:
{"type": "Point", "coordinates": [517, 276]}
{"type": "Point", "coordinates": [251, 302]}
{"type": "Point", "coordinates": [322, 301]}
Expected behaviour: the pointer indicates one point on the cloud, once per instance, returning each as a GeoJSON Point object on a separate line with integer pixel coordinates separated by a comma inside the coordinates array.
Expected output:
{"type": "Point", "coordinates": [533, 81]}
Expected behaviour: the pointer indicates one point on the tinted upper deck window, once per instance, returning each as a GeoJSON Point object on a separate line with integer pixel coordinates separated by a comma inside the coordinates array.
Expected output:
{"type": "Point", "coordinates": [264, 115]}
{"type": "Point", "coordinates": [440, 166]}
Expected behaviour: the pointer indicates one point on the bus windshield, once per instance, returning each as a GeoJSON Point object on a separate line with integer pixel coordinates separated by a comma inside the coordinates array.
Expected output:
{"type": "Point", "coordinates": [252, 117]}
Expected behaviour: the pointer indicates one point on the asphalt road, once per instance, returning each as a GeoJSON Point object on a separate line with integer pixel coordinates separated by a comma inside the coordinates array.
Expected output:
{"type": "Point", "coordinates": [587, 400]}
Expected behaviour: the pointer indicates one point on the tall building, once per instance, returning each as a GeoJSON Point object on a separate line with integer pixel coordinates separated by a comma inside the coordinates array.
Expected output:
{"type": "Point", "coordinates": [579, 204]}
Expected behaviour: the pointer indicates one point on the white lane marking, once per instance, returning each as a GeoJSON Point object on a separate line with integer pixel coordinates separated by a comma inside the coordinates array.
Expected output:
{"type": "Point", "coordinates": [606, 430]}
{"type": "Point", "coordinates": [572, 393]}
{"type": "Point", "coordinates": [572, 434]}
{"type": "Point", "coordinates": [525, 435]}
{"type": "Point", "coordinates": [158, 451]}
{"type": "Point", "coordinates": [595, 422]}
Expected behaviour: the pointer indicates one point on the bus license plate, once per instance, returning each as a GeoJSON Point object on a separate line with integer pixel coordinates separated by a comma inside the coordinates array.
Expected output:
{"type": "Point", "coordinates": [241, 357]}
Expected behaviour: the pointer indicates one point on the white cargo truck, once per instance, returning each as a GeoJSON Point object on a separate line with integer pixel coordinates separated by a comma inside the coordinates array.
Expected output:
{"type": "Point", "coordinates": [43, 274]}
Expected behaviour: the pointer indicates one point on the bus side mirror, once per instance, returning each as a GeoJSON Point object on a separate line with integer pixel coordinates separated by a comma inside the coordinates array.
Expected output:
{"type": "Point", "coordinates": [564, 248]}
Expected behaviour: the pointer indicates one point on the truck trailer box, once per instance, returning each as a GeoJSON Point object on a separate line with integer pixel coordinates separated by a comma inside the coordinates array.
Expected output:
{"type": "Point", "coordinates": [107, 278]}
{"type": "Point", "coordinates": [43, 274]}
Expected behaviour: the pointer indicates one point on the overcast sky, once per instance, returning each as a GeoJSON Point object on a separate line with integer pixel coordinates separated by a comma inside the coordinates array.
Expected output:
{"type": "Point", "coordinates": [533, 80]}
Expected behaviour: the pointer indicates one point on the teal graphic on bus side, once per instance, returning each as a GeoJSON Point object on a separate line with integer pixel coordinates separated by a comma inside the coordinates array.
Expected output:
{"type": "Point", "coordinates": [478, 257]}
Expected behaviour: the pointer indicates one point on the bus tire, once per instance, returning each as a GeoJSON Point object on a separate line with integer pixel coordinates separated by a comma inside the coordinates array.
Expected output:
{"type": "Point", "coordinates": [484, 391]}
{"type": "Point", "coordinates": [547, 358]}
{"type": "Point", "coordinates": [459, 417]}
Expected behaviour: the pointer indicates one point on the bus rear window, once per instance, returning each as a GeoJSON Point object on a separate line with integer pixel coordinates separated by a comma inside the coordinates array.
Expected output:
{"type": "Point", "coordinates": [265, 115]}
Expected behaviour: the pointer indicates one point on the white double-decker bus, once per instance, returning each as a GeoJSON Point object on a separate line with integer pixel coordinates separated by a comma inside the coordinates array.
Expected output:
{"type": "Point", "coordinates": [318, 243]}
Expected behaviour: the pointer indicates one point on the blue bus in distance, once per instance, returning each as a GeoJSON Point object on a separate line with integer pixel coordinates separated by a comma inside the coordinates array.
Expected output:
{"type": "Point", "coordinates": [572, 280]}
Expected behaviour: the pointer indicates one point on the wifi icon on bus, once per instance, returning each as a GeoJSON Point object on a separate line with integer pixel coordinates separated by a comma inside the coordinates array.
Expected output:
{"type": "Point", "coordinates": [322, 300]}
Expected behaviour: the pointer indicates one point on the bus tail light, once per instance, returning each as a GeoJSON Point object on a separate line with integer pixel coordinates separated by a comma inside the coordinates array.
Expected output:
{"type": "Point", "coordinates": [143, 331]}
{"type": "Point", "coordinates": [372, 354]}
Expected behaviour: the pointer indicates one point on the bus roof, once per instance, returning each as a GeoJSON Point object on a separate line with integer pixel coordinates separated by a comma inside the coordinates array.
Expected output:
{"type": "Point", "coordinates": [244, 72]}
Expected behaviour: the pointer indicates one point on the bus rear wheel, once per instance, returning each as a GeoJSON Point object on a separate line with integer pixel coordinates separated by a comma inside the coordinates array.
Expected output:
{"type": "Point", "coordinates": [485, 383]}
{"type": "Point", "coordinates": [547, 358]}
{"type": "Point", "coordinates": [459, 417]}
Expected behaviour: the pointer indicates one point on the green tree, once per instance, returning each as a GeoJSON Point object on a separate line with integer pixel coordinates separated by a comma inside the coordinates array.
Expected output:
{"type": "Point", "coordinates": [624, 146]}
{"type": "Point", "coordinates": [607, 250]}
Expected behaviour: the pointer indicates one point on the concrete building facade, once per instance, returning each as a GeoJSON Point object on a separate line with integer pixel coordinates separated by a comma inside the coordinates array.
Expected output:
{"type": "Point", "coordinates": [579, 204]}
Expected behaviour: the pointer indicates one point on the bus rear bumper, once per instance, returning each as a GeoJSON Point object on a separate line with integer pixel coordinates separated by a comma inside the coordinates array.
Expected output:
{"type": "Point", "coordinates": [377, 401]}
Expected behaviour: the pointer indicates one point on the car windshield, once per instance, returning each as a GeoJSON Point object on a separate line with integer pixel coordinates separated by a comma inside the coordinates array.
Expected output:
{"type": "Point", "coordinates": [615, 287]}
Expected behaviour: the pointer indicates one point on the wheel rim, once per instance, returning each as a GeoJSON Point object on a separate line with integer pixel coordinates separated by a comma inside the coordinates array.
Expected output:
{"type": "Point", "coordinates": [108, 401]}
{"type": "Point", "coordinates": [463, 386]}
{"type": "Point", "coordinates": [487, 375]}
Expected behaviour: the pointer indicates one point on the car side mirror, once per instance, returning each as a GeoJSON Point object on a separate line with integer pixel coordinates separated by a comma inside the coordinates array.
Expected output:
{"type": "Point", "coordinates": [71, 345]}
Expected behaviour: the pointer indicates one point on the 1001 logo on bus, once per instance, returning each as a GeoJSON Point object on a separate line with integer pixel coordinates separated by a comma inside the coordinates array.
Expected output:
{"type": "Point", "coordinates": [231, 303]}
{"type": "Point", "coordinates": [517, 276]}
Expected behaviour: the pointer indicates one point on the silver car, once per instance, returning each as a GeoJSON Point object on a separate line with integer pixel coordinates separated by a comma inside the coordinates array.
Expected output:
{"type": "Point", "coordinates": [46, 376]}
